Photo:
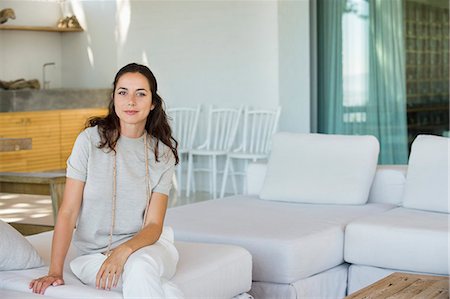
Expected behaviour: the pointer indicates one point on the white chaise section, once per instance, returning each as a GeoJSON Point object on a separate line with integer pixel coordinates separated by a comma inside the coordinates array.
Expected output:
{"type": "Point", "coordinates": [288, 241]}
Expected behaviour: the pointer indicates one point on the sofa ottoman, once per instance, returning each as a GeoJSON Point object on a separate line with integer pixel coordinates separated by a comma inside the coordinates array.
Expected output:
{"type": "Point", "coordinates": [203, 271]}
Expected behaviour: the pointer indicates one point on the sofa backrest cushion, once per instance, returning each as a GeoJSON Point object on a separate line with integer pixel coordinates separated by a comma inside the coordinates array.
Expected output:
{"type": "Point", "coordinates": [427, 178]}
{"type": "Point", "coordinates": [388, 184]}
{"type": "Point", "coordinates": [255, 174]}
{"type": "Point", "coordinates": [320, 168]}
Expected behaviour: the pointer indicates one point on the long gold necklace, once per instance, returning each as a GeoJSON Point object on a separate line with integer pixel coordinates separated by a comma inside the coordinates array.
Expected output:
{"type": "Point", "coordinates": [114, 195]}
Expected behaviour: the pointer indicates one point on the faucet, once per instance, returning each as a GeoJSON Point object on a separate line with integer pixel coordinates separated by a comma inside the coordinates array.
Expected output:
{"type": "Point", "coordinates": [45, 84]}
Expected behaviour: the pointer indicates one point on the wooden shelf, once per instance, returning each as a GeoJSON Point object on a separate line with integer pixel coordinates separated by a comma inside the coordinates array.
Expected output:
{"type": "Point", "coordinates": [423, 108]}
{"type": "Point", "coordinates": [437, 65]}
{"type": "Point", "coordinates": [442, 79]}
{"type": "Point", "coordinates": [408, 52]}
{"type": "Point", "coordinates": [39, 28]}
{"type": "Point", "coordinates": [419, 95]}
{"type": "Point", "coordinates": [427, 127]}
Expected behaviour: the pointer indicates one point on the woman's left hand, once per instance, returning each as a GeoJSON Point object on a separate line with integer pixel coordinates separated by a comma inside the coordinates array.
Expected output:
{"type": "Point", "coordinates": [111, 269]}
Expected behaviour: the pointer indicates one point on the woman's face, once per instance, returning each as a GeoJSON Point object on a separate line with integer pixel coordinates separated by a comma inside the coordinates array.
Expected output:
{"type": "Point", "coordinates": [133, 99]}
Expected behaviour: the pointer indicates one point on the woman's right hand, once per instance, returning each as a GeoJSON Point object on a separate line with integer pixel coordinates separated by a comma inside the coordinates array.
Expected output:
{"type": "Point", "coordinates": [40, 284]}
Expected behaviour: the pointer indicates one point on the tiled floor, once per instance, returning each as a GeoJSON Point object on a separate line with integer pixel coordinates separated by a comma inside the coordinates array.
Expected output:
{"type": "Point", "coordinates": [37, 209]}
{"type": "Point", "coordinates": [31, 209]}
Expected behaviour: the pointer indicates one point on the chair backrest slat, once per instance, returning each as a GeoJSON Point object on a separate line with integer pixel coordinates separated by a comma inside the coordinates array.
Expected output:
{"type": "Point", "coordinates": [222, 127]}
{"type": "Point", "coordinates": [184, 123]}
{"type": "Point", "coordinates": [258, 128]}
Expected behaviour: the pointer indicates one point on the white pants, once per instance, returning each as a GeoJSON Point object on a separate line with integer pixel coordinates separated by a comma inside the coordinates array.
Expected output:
{"type": "Point", "coordinates": [146, 273]}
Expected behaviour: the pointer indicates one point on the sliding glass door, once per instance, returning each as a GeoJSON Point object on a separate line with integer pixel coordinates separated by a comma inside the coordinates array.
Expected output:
{"type": "Point", "coordinates": [370, 71]}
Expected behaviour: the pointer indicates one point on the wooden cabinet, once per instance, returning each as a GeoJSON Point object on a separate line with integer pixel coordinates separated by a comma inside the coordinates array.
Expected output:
{"type": "Point", "coordinates": [43, 129]}
{"type": "Point", "coordinates": [52, 132]}
{"type": "Point", "coordinates": [72, 123]}
{"type": "Point", "coordinates": [12, 125]}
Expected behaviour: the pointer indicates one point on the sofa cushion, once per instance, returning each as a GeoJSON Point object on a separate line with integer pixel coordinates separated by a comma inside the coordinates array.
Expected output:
{"type": "Point", "coordinates": [255, 174]}
{"type": "Point", "coordinates": [428, 174]}
{"type": "Point", "coordinates": [388, 184]}
{"type": "Point", "coordinates": [288, 241]}
{"type": "Point", "coordinates": [404, 239]}
{"type": "Point", "coordinates": [320, 169]}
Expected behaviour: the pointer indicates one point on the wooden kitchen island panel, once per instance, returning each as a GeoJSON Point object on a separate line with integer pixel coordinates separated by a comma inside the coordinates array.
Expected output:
{"type": "Point", "coordinates": [53, 133]}
{"type": "Point", "coordinates": [72, 123]}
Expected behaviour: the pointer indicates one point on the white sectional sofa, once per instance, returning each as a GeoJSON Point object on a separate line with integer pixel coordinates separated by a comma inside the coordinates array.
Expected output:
{"type": "Point", "coordinates": [321, 217]}
{"type": "Point", "coordinates": [413, 237]}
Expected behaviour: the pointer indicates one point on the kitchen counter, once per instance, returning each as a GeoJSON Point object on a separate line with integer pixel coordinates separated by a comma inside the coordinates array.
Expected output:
{"type": "Point", "coordinates": [53, 99]}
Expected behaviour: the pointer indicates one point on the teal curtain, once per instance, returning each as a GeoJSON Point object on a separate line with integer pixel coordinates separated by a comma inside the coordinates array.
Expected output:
{"type": "Point", "coordinates": [387, 95]}
{"type": "Point", "coordinates": [329, 64]}
{"type": "Point", "coordinates": [382, 112]}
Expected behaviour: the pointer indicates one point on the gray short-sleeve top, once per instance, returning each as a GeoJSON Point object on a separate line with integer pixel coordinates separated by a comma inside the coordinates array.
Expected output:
{"type": "Point", "coordinates": [94, 166]}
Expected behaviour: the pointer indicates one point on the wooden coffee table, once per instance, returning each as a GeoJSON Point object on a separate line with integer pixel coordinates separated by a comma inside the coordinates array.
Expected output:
{"type": "Point", "coordinates": [403, 285]}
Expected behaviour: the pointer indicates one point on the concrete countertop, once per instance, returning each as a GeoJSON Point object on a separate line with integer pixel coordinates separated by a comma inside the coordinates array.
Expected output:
{"type": "Point", "coordinates": [53, 99]}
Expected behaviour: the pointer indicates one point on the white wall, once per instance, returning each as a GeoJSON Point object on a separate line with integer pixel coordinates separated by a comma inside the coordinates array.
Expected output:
{"type": "Point", "coordinates": [202, 52]}
{"type": "Point", "coordinates": [216, 52]}
{"type": "Point", "coordinates": [23, 53]}
{"type": "Point", "coordinates": [90, 57]}
{"type": "Point", "coordinates": [294, 65]}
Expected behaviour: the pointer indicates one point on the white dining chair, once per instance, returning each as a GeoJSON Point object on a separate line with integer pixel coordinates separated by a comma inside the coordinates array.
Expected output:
{"type": "Point", "coordinates": [258, 127]}
{"type": "Point", "coordinates": [222, 124]}
{"type": "Point", "coordinates": [184, 123]}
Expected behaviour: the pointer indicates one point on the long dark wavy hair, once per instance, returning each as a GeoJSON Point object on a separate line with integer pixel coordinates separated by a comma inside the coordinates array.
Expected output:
{"type": "Point", "coordinates": [156, 125]}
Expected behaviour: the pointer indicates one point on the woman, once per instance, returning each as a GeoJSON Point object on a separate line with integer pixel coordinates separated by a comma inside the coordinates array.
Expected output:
{"type": "Point", "coordinates": [118, 180]}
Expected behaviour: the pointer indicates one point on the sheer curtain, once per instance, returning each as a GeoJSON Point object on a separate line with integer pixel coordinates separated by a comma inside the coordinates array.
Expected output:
{"type": "Point", "coordinates": [387, 86]}
{"type": "Point", "coordinates": [361, 73]}
{"type": "Point", "coordinates": [329, 64]}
